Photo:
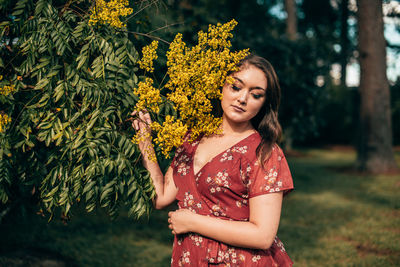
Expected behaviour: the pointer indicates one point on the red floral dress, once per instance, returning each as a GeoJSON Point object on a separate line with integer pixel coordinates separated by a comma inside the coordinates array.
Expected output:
{"type": "Point", "coordinates": [222, 189]}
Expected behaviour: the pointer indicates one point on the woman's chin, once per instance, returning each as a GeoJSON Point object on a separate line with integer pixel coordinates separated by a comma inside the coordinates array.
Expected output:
{"type": "Point", "coordinates": [238, 120]}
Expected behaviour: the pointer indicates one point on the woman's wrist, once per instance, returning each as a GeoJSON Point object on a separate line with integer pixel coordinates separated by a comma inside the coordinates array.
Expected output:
{"type": "Point", "coordinates": [193, 222]}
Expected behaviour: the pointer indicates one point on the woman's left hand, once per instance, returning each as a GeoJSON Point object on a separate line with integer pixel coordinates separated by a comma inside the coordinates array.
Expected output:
{"type": "Point", "coordinates": [180, 220]}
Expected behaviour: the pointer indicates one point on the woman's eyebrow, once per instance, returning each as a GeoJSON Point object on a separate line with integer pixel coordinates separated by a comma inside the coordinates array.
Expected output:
{"type": "Point", "coordinates": [236, 78]}
{"type": "Point", "coordinates": [258, 88]}
{"type": "Point", "coordinates": [254, 88]}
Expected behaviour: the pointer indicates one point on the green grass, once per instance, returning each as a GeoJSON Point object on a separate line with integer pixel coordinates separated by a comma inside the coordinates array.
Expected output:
{"type": "Point", "coordinates": [89, 240]}
{"type": "Point", "coordinates": [334, 217]}
{"type": "Point", "coordinates": [339, 218]}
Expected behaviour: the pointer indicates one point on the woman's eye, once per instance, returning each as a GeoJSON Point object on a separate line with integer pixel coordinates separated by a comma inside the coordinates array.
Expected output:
{"type": "Point", "coordinates": [234, 87]}
{"type": "Point", "coordinates": [256, 96]}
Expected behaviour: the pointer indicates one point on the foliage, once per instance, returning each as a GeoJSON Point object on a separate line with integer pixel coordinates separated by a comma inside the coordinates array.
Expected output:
{"type": "Point", "coordinates": [68, 141]}
{"type": "Point", "coordinates": [195, 78]}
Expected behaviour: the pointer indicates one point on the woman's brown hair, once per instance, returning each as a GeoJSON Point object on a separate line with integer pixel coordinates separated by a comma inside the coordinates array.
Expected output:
{"type": "Point", "coordinates": [266, 121]}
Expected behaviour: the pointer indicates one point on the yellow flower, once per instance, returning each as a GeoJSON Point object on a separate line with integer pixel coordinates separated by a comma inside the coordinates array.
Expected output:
{"type": "Point", "coordinates": [196, 75]}
{"type": "Point", "coordinates": [170, 134]}
{"type": "Point", "coordinates": [149, 96]}
{"type": "Point", "coordinates": [149, 55]}
{"type": "Point", "coordinates": [142, 137]}
{"type": "Point", "coordinates": [109, 12]}
{"type": "Point", "coordinates": [7, 89]}
{"type": "Point", "coordinates": [4, 120]}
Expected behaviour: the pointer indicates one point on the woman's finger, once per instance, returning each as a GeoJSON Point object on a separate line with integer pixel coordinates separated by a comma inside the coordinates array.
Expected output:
{"type": "Point", "coordinates": [142, 126]}
{"type": "Point", "coordinates": [141, 116]}
{"type": "Point", "coordinates": [135, 125]}
{"type": "Point", "coordinates": [147, 118]}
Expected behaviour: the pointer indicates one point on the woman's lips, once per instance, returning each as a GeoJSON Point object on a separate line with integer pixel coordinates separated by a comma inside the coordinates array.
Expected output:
{"type": "Point", "coordinates": [237, 108]}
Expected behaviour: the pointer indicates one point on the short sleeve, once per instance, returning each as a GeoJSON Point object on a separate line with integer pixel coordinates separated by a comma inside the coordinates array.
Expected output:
{"type": "Point", "coordinates": [274, 177]}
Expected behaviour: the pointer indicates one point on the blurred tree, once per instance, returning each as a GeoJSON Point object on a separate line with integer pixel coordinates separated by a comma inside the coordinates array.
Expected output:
{"type": "Point", "coordinates": [395, 105]}
{"type": "Point", "coordinates": [344, 40]}
{"type": "Point", "coordinates": [291, 34]}
{"type": "Point", "coordinates": [291, 20]}
{"type": "Point", "coordinates": [375, 153]}
{"type": "Point", "coordinates": [392, 13]}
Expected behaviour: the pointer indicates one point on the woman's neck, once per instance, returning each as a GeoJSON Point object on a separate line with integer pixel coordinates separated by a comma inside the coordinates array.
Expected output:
{"type": "Point", "coordinates": [235, 128]}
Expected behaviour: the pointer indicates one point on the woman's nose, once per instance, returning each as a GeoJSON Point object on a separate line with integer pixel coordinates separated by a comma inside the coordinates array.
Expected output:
{"type": "Point", "coordinates": [242, 98]}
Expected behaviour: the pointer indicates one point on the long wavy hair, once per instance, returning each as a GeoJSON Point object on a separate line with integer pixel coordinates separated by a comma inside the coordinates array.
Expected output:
{"type": "Point", "coordinates": [266, 121]}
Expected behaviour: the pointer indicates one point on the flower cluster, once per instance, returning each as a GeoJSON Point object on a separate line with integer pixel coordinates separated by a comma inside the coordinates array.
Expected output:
{"type": "Point", "coordinates": [196, 75]}
{"type": "Point", "coordinates": [109, 12]}
{"type": "Point", "coordinates": [170, 134]}
{"type": "Point", "coordinates": [7, 89]}
{"type": "Point", "coordinates": [149, 55]}
{"type": "Point", "coordinates": [150, 97]}
{"type": "Point", "coordinates": [4, 120]}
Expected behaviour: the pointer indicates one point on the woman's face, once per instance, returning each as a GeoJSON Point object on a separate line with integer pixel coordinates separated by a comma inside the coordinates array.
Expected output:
{"type": "Point", "coordinates": [243, 99]}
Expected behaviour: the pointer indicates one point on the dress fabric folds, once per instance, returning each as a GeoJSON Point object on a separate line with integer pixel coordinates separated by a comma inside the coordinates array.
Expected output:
{"type": "Point", "coordinates": [222, 189]}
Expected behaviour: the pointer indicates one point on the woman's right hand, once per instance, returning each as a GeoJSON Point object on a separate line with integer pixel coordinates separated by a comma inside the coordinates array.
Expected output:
{"type": "Point", "coordinates": [165, 187]}
{"type": "Point", "coordinates": [141, 124]}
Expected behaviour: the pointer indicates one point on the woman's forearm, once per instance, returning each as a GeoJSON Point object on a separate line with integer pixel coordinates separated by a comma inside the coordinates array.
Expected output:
{"type": "Point", "coordinates": [165, 190]}
{"type": "Point", "coordinates": [259, 232]}
{"type": "Point", "coordinates": [235, 233]}
{"type": "Point", "coordinates": [152, 166]}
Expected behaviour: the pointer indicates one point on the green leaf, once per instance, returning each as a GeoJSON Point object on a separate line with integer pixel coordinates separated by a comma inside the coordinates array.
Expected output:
{"type": "Point", "coordinates": [42, 83]}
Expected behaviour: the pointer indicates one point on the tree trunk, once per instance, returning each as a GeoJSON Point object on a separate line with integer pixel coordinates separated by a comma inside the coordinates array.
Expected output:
{"type": "Point", "coordinates": [375, 152]}
{"type": "Point", "coordinates": [291, 33]}
{"type": "Point", "coordinates": [291, 21]}
{"type": "Point", "coordinates": [344, 40]}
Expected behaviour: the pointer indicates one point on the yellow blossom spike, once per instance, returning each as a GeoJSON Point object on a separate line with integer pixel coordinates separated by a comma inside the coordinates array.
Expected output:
{"type": "Point", "coordinates": [109, 12]}
{"type": "Point", "coordinates": [149, 96]}
{"type": "Point", "coordinates": [7, 89]}
{"type": "Point", "coordinates": [149, 55]}
{"type": "Point", "coordinates": [4, 120]}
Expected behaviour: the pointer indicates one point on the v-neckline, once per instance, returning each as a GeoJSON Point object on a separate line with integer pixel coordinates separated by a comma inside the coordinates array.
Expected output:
{"type": "Point", "coordinates": [217, 155]}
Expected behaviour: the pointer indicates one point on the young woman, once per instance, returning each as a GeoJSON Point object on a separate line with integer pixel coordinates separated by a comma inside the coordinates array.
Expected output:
{"type": "Point", "coordinates": [230, 186]}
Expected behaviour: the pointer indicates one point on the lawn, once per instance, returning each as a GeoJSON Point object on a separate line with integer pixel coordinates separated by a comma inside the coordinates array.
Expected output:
{"type": "Point", "coordinates": [335, 217]}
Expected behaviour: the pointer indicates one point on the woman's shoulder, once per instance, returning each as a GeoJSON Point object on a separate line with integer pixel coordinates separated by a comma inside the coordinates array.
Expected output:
{"type": "Point", "coordinates": [256, 139]}
{"type": "Point", "coordinates": [188, 142]}
{"type": "Point", "coordinates": [253, 142]}
{"type": "Point", "coordinates": [277, 150]}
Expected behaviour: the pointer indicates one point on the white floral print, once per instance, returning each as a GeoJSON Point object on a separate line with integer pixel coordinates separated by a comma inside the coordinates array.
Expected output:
{"type": "Point", "coordinates": [223, 190]}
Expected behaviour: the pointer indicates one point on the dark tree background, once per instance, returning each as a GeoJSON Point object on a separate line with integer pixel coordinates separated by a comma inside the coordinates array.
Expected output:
{"type": "Point", "coordinates": [310, 43]}
{"type": "Point", "coordinates": [304, 40]}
